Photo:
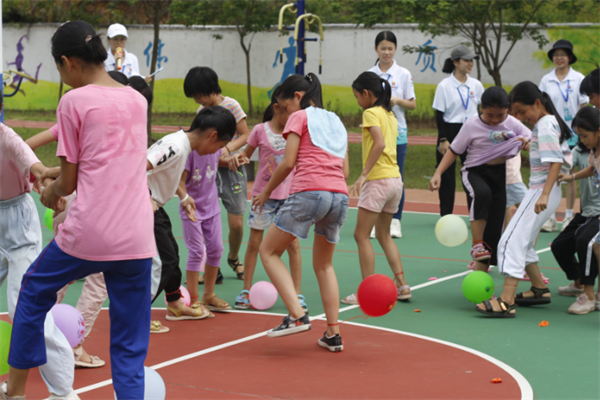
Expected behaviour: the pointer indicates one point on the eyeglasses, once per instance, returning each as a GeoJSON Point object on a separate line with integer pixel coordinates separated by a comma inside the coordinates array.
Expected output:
{"type": "Point", "coordinates": [560, 55]}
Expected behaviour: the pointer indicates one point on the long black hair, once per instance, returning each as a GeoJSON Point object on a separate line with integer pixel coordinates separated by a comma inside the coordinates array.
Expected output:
{"type": "Point", "coordinates": [587, 118]}
{"type": "Point", "coordinates": [78, 39]}
{"type": "Point", "coordinates": [309, 84]}
{"type": "Point", "coordinates": [449, 66]}
{"type": "Point", "coordinates": [218, 118]}
{"type": "Point", "coordinates": [527, 93]}
{"type": "Point", "coordinates": [494, 96]}
{"type": "Point", "coordinates": [269, 113]}
{"type": "Point", "coordinates": [591, 83]}
{"type": "Point", "coordinates": [385, 35]}
{"type": "Point", "coordinates": [380, 88]}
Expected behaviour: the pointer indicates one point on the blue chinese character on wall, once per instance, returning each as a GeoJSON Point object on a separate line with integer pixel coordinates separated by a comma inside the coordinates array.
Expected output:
{"type": "Point", "coordinates": [426, 51]}
{"type": "Point", "coordinates": [160, 59]}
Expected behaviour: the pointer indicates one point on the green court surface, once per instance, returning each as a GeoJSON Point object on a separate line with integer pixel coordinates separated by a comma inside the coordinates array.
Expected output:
{"type": "Point", "coordinates": [560, 361]}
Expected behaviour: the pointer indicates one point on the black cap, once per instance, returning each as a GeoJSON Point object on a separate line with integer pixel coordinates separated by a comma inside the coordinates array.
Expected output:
{"type": "Point", "coordinates": [565, 45]}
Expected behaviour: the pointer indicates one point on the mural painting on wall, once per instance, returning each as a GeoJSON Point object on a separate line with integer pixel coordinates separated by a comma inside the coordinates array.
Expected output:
{"type": "Point", "coordinates": [18, 66]}
{"type": "Point", "coordinates": [160, 59]}
{"type": "Point", "coordinates": [428, 56]}
{"type": "Point", "coordinates": [289, 68]}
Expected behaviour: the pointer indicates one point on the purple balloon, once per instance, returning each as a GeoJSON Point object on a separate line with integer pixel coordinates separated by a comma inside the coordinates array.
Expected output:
{"type": "Point", "coordinates": [70, 322]}
{"type": "Point", "coordinates": [263, 295]}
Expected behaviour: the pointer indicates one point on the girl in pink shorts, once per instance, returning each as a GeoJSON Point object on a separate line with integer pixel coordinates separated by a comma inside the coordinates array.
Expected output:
{"type": "Point", "coordinates": [380, 183]}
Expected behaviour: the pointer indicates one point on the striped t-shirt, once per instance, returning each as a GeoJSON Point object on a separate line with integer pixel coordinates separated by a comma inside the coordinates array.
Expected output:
{"type": "Point", "coordinates": [234, 107]}
{"type": "Point", "coordinates": [545, 150]}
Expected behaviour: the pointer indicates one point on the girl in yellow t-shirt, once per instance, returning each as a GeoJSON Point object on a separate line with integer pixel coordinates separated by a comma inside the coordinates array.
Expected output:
{"type": "Point", "coordinates": [379, 186]}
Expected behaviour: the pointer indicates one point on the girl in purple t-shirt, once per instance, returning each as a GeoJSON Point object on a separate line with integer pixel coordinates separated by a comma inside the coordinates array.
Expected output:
{"type": "Point", "coordinates": [491, 138]}
{"type": "Point", "coordinates": [268, 138]}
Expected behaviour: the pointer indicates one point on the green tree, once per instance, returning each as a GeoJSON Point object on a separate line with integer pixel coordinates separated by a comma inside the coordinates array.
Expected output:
{"type": "Point", "coordinates": [248, 17]}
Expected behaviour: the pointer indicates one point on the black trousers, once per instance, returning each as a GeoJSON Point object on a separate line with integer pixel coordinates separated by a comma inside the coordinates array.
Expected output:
{"type": "Point", "coordinates": [448, 185]}
{"type": "Point", "coordinates": [170, 276]}
{"type": "Point", "coordinates": [575, 239]}
{"type": "Point", "coordinates": [486, 185]}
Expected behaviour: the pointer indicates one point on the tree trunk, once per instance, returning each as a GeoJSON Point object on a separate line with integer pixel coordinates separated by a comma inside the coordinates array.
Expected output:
{"type": "Point", "coordinates": [157, 8]}
{"type": "Point", "coordinates": [249, 83]}
{"type": "Point", "coordinates": [495, 73]}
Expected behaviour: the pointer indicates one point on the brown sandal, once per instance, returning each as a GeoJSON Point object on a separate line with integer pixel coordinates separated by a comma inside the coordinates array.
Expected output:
{"type": "Point", "coordinates": [216, 304]}
{"type": "Point", "coordinates": [236, 265]}
{"type": "Point", "coordinates": [199, 313]}
{"type": "Point", "coordinates": [197, 303]}
{"type": "Point", "coordinates": [157, 327]}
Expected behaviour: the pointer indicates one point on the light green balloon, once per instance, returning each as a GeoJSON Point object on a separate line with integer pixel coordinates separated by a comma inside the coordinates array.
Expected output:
{"type": "Point", "coordinates": [48, 218]}
{"type": "Point", "coordinates": [451, 230]}
{"type": "Point", "coordinates": [478, 286]}
{"type": "Point", "coordinates": [5, 332]}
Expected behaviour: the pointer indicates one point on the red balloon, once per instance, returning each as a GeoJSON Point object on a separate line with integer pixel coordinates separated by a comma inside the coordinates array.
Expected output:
{"type": "Point", "coordinates": [377, 295]}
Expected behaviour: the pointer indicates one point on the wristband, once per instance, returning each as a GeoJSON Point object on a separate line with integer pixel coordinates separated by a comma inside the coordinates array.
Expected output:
{"type": "Point", "coordinates": [228, 151]}
{"type": "Point", "coordinates": [574, 177]}
{"type": "Point", "coordinates": [184, 199]}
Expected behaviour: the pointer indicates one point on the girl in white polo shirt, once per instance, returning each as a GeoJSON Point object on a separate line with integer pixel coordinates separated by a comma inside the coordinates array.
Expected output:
{"type": "Point", "coordinates": [456, 99]}
{"type": "Point", "coordinates": [562, 85]}
{"type": "Point", "coordinates": [117, 38]}
{"type": "Point", "coordinates": [403, 98]}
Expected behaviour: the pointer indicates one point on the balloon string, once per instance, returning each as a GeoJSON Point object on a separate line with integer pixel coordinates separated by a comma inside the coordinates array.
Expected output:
{"type": "Point", "coordinates": [363, 316]}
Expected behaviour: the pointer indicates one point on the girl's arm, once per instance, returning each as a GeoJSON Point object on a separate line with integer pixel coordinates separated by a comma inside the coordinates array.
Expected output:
{"type": "Point", "coordinates": [346, 167]}
{"type": "Point", "coordinates": [444, 144]}
{"type": "Point", "coordinates": [542, 202]}
{"type": "Point", "coordinates": [376, 151]}
{"type": "Point", "coordinates": [41, 139]}
{"type": "Point", "coordinates": [241, 158]}
{"type": "Point", "coordinates": [584, 173]}
{"type": "Point", "coordinates": [187, 202]}
{"type": "Point", "coordinates": [406, 104]}
{"type": "Point", "coordinates": [281, 172]}
{"type": "Point", "coordinates": [449, 158]}
{"type": "Point", "coordinates": [242, 128]}
{"type": "Point", "coordinates": [63, 186]}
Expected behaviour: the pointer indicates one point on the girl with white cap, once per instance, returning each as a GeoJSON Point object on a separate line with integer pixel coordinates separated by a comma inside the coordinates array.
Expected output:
{"type": "Point", "coordinates": [118, 58]}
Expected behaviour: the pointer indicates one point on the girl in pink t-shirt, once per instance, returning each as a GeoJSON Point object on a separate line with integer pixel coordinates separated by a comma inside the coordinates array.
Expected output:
{"type": "Point", "coordinates": [317, 147]}
{"type": "Point", "coordinates": [102, 143]}
{"type": "Point", "coordinates": [267, 137]}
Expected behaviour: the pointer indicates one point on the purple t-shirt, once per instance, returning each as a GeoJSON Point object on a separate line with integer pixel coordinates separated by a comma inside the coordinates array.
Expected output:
{"type": "Point", "coordinates": [201, 184]}
{"type": "Point", "coordinates": [487, 142]}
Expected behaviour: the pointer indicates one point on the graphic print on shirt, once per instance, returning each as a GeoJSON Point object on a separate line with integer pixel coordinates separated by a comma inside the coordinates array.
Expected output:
{"type": "Point", "coordinates": [272, 163]}
{"type": "Point", "coordinates": [498, 137]}
{"type": "Point", "coordinates": [209, 174]}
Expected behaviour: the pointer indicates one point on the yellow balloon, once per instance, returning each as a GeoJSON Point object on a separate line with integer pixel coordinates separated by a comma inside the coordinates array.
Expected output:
{"type": "Point", "coordinates": [451, 230]}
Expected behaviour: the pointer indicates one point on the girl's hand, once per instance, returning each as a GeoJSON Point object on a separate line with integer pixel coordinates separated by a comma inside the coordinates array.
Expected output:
{"type": "Point", "coordinates": [435, 182]}
{"type": "Point", "coordinates": [51, 173]}
{"type": "Point", "coordinates": [443, 147]}
{"type": "Point", "coordinates": [259, 201]}
{"type": "Point", "coordinates": [236, 160]}
{"type": "Point", "coordinates": [61, 206]}
{"type": "Point", "coordinates": [523, 141]}
{"type": "Point", "coordinates": [154, 205]}
{"type": "Point", "coordinates": [189, 207]}
{"type": "Point", "coordinates": [565, 177]}
{"type": "Point", "coordinates": [49, 198]}
{"type": "Point", "coordinates": [357, 187]}
{"type": "Point", "coordinates": [541, 204]}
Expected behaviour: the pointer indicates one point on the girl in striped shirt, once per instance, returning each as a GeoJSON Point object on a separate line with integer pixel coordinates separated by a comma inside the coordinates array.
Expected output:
{"type": "Point", "coordinates": [548, 155]}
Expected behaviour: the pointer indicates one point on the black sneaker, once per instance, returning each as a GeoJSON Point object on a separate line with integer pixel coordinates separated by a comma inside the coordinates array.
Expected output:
{"type": "Point", "coordinates": [219, 279]}
{"type": "Point", "coordinates": [334, 344]}
{"type": "Point", "coordinates": [290, 326]}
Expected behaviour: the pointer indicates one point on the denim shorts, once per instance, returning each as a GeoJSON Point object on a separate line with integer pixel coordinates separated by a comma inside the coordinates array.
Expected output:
{"type": "Point", "coordinates": [326, 210]}
{"type": "Point", "coordinates": [263, 221]}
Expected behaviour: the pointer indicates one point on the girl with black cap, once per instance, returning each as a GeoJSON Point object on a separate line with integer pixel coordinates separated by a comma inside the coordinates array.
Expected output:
{"type": "Point", "coordinates": [562, 85]}
{"type": "Point", "coordinates": [456, 100]}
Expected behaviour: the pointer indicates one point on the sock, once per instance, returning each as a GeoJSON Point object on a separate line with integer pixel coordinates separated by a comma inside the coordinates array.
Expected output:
{"type": "Point", "coordinates": [329, 337]}
{"type": "Point", "coordinates": [553, 216]}
{"type": "Point", "coordinates": [569, 214]}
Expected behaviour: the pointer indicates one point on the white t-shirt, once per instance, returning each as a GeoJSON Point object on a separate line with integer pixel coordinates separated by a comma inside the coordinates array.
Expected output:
{"type": "Point", "coordinates": [401, 82]}
{"type": "Point", "coordinates": [565, 95]}
{"type": "Point", "coordinates": [168, 157]}
{"type": "Point", "coordinates": [130, 67]}
{"type": "Point", "coordinates": [458, 101]}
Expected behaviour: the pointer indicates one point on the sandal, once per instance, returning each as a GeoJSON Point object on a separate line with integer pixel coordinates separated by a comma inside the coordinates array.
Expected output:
{"type": "Point", "coordinates": [350, 299]}
{"type": "Point", "coordinates": [197, 303]}
{"type": "Point", "coordinates": [157, 327]}
{"type": "Point", "coordinates": [95, 362]}
{"type": "Point", "coordinates": [506, 310]}
{"type": "Point", "coordinates": [537, 298]}
{"type": "Point", "coordinates": [236, 265]}
{"type": "Point", "coordinates": [303, 303]}
{"type": "Point", "coordinates": [199, 313]}
{"type": "Point", "coordinates": [401, 296]}
{"type": "Point", "coordinates": [218, 282]}
{"type": "Point", "coordinates": [527, 278]}
{"type": "Point", "coordinates": [216, 304]}
{"type": "Point", "coordinates": [242, 301]}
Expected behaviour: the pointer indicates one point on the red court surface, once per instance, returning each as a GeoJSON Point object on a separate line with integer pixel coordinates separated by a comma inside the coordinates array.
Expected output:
{"type": "Point", "coordinates": [375, 364]}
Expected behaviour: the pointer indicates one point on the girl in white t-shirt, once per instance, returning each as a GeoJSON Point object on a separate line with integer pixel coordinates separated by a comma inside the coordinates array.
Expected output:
{"type": "Point", "coordinates": [403, 98]}
{"type": "Point", "coordinates": [456, 99]}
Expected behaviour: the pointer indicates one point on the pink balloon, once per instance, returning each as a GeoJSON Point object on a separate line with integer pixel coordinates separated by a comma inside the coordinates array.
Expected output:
{"type": "Point", "coordinates": [263, 295]}
{"type": "Point", "coordinates": [70, 322]}
{"type": "Point", "coordinates": [185, 296]}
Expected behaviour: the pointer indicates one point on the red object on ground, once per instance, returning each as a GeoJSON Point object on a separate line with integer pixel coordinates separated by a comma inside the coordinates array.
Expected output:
{"type": "Point", "coordinates": [544, 324]}
{"type": "Point", "coordinates": [417, 310]}
{"type": "Point", "coordinates": [377, 295]}
{"type": "Point", "coordinates": [497, 380]}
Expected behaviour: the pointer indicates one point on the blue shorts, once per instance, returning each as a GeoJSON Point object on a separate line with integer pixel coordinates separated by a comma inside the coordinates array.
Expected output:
{"type": "Point", "coordinates": [515, 193]}
{"type": "Point", "coordinates": [263, 221]}
{"type": "Point", "coordinates": [326, 210]}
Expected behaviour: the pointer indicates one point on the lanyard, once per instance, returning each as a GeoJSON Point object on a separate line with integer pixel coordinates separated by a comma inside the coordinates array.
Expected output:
{"type": "Point", "coordinates": [566, 98]}
{"type": "Point", "coordinates": [465, 105]}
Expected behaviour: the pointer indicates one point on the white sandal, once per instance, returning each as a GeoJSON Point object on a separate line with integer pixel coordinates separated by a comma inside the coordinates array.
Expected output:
{"type": "Point", "coordinates": [95, 362]}
{"type": "Point", "coordinates": [351, 299]}
{"type": "Point", "coordinates": [404, 296]}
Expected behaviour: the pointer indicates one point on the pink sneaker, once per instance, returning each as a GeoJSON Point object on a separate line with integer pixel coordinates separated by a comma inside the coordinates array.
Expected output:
{"type": "Point", "coordinates": [526, 278]}
{"type": "Point", "coordinates": [480, 253]}
{"type": "Point", "coordinates": [472, 266]}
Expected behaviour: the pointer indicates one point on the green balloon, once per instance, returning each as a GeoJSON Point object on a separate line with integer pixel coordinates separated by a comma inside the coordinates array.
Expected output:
{"type": "Point", "coordinates": [48, 218]}
{"type": "Point", "coordinates": [478, 286]}
{"type": "Point", "coordinates": [5, 332]}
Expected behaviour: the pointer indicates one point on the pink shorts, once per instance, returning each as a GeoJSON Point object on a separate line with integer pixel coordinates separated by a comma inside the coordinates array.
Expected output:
{"type": "Point", "coordinates": [382, 195]}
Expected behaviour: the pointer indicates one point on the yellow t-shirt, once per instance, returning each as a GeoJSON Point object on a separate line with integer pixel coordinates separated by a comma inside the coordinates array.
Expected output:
{"type": "Point", "coordinates": [387, 165]}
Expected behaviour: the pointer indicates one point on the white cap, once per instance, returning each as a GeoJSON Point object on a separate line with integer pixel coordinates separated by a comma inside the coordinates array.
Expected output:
{"type": "Point", "coordinates": [116, 30]}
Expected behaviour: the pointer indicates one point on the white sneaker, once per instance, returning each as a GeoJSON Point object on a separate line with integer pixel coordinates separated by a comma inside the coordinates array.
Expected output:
{"type": "Point", "coordinates": [4, 389]}
{"type": "Point", "coordinates": [570, 290]}
{"type": "Point", "coordinates": [550, 226]}
{"type": "Point", "coordinates": [582, 305]}
{"type": "Point", "coordinates": [395, 228]}
{"type": "Point", "coordinates": [566, 223]}
{"type": "Point", "coordinates": [70, 396]}
{"type": "Point", "coordinates": [598, 301]}
{"type": "Point", "coordinates": [373, 233]}
{"type": "Point", "coordinates": [352, 300]}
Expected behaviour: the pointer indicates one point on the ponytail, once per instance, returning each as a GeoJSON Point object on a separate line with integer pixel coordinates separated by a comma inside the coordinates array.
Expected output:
{"type": "Point", "coordinates": [380, 88]}
{"type": "Point", "coordinates": [527, 93]}
{"type": "Point", "coordinates": [449, 66]}
{"type": "Point", "coordinates": [309, 84]}
{"type": "Point", "coordinates": [269, 112]}
{"type": "Point", "coordinates": [78, 39]}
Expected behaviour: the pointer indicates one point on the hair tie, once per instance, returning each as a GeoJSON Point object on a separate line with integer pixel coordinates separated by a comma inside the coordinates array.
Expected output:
{"type": "Point", "coordinates": [88, 38]}
{"type": "Point", "coordinates": [308, 77]}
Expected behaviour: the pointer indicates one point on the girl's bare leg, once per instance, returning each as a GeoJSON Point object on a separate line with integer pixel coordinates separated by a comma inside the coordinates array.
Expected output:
{"type": "Point", "coordinates": [251, 257]}
{"type": "Point", "coordinates": [296, 264]}
{"type": "Point", "coordinates": [328, 285]}
{"type": "Point", "coordinates": [364, 224]}
{"type": "Point", "coordinates": [382, 232]}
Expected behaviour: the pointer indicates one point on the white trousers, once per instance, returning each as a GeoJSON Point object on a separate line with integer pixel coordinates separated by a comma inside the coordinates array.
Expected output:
{"type": "Point", "coordinates": [20, 245]}
{"type": "Point", "coordinates": [516, 247]}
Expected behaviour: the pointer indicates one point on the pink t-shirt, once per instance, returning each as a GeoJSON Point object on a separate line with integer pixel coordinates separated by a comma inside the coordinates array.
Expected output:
{"type": "Point", "coordinates": [316, 169]}
{"type": "Point", "coordinates": [485, 142]}
{"type": "Point", "coordinates": [271, 148]}
{"type": "Point", "coordinates": [103, 131]}
{"type": "Point", "coordinates": [54, 131]}
{"type": "Point", "coordinates": [16, 159]}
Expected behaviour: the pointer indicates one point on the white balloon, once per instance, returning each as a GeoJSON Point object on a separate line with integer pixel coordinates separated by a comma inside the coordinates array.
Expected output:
{"type": "Point", "coordinates": [154, 386]}
{"type": "Point", "coordinates": [451, 230]}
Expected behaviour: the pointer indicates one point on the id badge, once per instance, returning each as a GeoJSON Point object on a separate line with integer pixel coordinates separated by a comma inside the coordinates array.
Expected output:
{"type": "Point", "coordinates": [568, 115]}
